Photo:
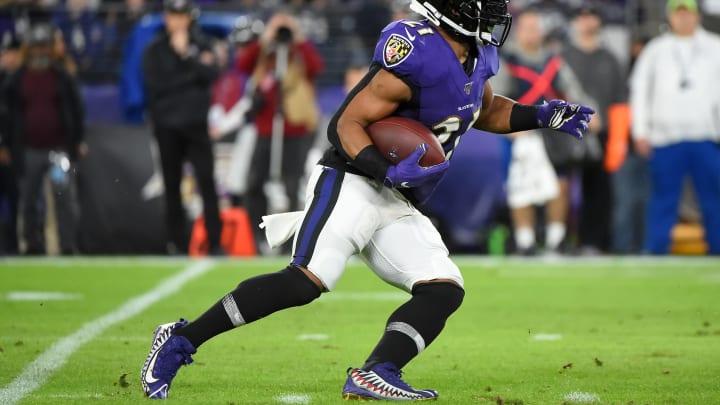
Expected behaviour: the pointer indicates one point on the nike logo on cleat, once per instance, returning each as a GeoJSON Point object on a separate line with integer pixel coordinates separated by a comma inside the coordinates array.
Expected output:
{"type": "Point", "coordinates": [149, 378]}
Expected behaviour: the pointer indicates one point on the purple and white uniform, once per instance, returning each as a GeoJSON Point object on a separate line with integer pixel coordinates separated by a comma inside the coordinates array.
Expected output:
{"type": "Point", "coordinates": [349, 213]}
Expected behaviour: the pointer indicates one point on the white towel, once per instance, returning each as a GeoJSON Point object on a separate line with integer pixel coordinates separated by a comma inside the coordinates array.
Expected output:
{"type": "Point", "coordinates": [281, 227]}
{"type": "Point", "coordinates": [531, 177]}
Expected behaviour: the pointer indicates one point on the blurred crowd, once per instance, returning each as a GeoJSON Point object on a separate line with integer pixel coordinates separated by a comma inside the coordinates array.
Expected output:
{"type": "Point", "coordinates": [256, 87]}
{"type": "Point", "coordinates": [94, 32]}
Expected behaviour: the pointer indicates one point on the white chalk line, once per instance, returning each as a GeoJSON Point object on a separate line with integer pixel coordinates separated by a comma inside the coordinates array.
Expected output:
{"type": "Point", "coordinates": [581, 397]}
{"type": "Point", "coordinates": [39, 370]}
{"type": "Point", "coordinates": [546, 336]}
{"type": "Point", "coordinates": [313, 336]}
{"type": "Point", "coordinates": [293, 398]}
{"type": "Point", "coordinates": [41, 296]}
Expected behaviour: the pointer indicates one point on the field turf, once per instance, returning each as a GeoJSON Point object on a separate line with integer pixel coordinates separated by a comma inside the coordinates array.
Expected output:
{"type": "Point", "coordinates": [605, 331]}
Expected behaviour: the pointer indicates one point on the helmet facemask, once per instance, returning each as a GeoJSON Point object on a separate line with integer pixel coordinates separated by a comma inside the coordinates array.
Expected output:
{"type": "Point", "coordinates": [467, 19]}
{"type": "Point", "coordinates": [495, 23]}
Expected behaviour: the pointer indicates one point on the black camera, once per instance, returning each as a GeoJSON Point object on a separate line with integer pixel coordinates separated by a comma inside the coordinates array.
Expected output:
{"type": "Point", "coordinates": [284, 35]}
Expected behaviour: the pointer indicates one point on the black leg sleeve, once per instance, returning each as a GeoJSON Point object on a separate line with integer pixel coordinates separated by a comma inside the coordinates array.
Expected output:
{"type": "Point", "coordinates": [414, 325]}
{"type": "Point", "coordinates": [253, 299]}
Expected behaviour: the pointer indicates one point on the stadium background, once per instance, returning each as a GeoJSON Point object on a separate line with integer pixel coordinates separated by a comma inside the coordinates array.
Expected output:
{"type": "Point", "coordinates": [120, 198]}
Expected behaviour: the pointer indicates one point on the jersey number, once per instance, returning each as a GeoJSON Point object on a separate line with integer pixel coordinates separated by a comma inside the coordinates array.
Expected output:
{"type": "Point", "coordinates": [445, 130]}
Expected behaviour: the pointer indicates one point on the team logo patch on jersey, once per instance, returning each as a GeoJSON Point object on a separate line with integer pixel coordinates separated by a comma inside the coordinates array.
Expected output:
{"type": "Point", "coordinates": [397, 49]}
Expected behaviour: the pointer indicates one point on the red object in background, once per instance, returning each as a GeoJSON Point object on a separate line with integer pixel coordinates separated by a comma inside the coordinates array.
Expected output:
{"type": "Point", "coordinates": [236, 238]}
{"type": "Point", "coordinates": [228, 89]}
{"type": "Point", "coordinates": [619, 121]}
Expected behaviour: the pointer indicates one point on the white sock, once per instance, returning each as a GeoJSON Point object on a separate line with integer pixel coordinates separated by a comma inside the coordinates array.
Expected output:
{"type": "Point", "coordinates": [525, 238]}
{"type": "Point", "coordinates": [554, 234]}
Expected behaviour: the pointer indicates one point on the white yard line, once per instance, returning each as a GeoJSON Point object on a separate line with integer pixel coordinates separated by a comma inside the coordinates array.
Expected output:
{"type": "Point", "coordinates": [293, 398]}
{"type": "Point", "coordinates": [41, 296]}
{"type": "Point", "coordinates": [37, 373]}
{"type": "Point", "coordinates": [546, 336]}
{"type": "Point", "coordinates": [313, 336]}
{"type": "Point", "coordinates": [578, 397]}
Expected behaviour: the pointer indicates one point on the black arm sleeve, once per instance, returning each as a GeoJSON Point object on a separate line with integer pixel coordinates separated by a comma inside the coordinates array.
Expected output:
{"type": "Point", "coordinates": [372, 162]}
{"type": "Point", "coordinates": [523, 117]}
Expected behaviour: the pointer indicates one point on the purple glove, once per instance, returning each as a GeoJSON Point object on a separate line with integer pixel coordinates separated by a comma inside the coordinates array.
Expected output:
{"type": "Point", "coordinates": [408, 173]}
{"type": "Point", "coordinates": [563, 116]}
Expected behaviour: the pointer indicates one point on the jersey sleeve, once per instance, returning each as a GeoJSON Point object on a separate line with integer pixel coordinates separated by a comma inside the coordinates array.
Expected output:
{"type": "Point", "coordinates": [396, 52]}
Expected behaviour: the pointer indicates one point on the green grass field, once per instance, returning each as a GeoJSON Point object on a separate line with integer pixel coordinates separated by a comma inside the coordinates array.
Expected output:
{"type": "Point", "coordinates": [606, 331]}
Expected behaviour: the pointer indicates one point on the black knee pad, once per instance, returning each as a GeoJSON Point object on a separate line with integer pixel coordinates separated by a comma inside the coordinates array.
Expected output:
{"type": "Point", "coordinates": [443, 298]}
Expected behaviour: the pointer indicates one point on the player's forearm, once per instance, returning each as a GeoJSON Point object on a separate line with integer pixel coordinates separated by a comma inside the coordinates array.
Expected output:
{"type": "Point", "coordinates": [352, 137]}
{"type": "Point", "coordinates": [497, 117]}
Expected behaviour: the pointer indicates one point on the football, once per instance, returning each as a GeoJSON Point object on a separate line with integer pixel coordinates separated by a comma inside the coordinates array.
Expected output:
{"type": "Point", "coordinates": [398, 137]}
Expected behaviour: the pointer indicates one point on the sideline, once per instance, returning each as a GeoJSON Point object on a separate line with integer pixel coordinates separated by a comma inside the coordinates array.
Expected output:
{"type": "Point", "coordinates": [37, 373]}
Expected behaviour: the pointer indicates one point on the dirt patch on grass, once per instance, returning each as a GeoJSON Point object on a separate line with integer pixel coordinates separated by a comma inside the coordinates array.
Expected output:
{"type": "Point", "coordinates": [496, 399]}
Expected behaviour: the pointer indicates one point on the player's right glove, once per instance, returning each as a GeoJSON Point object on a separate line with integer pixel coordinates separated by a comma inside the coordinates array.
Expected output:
{"type": "Point", "coordinates": [563, 116]}
{"type": "Point", "coordinates": [408, 173]}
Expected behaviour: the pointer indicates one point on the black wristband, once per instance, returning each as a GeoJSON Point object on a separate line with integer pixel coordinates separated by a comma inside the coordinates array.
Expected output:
{"type": "Point", "coordinates": [523, 117]}
{"type": "Point", "coordinates": [371, 162]}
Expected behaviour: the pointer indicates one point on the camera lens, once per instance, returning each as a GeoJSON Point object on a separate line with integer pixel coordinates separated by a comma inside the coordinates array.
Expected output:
{"type": "Point", "coordinates": [284, 35]}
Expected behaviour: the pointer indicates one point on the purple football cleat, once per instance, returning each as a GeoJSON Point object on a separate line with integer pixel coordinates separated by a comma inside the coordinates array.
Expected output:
{"type": "Point", "coordinates": [167, 354]}
{"type": "Point", "coordinates": [383, 382]}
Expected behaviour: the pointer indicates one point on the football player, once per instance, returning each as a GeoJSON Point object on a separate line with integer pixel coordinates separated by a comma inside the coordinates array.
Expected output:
{"type": "Point", "coordinates": [434, 71]}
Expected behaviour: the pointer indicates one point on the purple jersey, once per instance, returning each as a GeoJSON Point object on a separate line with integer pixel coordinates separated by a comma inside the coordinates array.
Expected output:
{"type": "Point", "coordinates": [445, 97]}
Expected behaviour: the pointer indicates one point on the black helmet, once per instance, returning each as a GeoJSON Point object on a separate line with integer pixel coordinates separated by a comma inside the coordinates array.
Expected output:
{"type": "Point", "coordinates": [476, 19]}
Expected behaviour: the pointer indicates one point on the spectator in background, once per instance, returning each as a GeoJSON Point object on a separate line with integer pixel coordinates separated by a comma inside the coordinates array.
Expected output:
{"type": "Point", "coordinates": [120, 24]}
{"type": "Point", "coordinates": [531, 75]}
{"type": "Point", "coordinates": [179, 68]}
{"type": "Point", "coordinates": [295, 99]}
{"type": "Point", "coordinates": [10, 61]}
{"type": "Point", "coordinates": [603, 80]}
{"type": "Point", "coordinates": [675, 96]}
{"type": "Point", "coordinates": [83, 33]}
{"type": "Point", "coordinates": [45, 127]}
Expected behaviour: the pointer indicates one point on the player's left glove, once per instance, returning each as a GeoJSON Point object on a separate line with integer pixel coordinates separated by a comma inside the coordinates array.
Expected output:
{"type": "Point", "coordinates": [408, 173]}
{"type": "Point", "coordinates": [563, 116]}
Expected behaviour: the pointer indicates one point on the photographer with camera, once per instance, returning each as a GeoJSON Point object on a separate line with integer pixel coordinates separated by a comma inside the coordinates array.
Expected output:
{"type": "Point", "coordinates": [288, 114]}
